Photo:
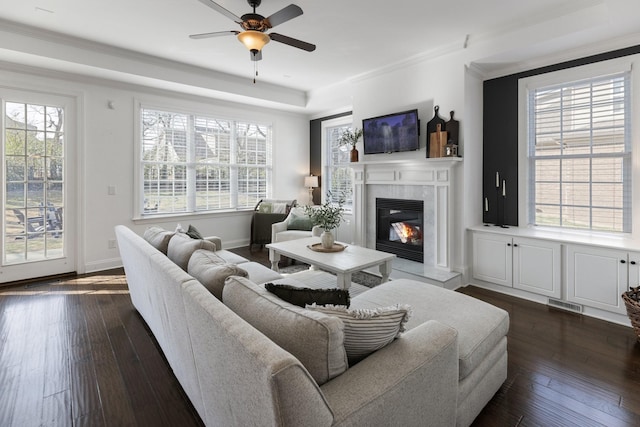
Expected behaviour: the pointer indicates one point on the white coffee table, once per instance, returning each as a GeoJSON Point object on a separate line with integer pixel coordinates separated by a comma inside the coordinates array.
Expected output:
{"type": "Point", "coordinates": [343, 263]}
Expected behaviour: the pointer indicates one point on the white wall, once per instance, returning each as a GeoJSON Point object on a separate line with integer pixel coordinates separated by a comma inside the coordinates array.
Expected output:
{"type": "Point", "coordinates": [423, 85]}
{"type": "Point", "coordinates": [107, 142]}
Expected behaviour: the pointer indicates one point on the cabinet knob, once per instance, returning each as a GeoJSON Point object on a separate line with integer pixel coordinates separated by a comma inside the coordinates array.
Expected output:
{"type": "Point", "coordinates": [508, 244]}
{"type": "Point", "coordinates": [623, 261]}
{"type": "Point", "coordinates": [515, 245]}
{"type": "Point", "coordinates": [632, 262]}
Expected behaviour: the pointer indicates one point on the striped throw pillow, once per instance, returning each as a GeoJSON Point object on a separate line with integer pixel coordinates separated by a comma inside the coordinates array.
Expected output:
{"type": "Point", "coordinates": [367, 330]}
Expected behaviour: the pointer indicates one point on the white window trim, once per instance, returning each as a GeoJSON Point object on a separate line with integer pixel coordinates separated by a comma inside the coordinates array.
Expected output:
{"type": "Point", "coordinates": [574, 74]}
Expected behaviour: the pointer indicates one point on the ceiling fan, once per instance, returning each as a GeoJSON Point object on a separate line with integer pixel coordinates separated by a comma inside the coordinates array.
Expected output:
{"type": "Point", "coordinates": [255, 26]}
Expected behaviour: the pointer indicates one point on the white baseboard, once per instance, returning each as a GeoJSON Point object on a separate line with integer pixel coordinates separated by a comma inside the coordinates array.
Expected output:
{"type": "Point", "coordinates": [105, 264]}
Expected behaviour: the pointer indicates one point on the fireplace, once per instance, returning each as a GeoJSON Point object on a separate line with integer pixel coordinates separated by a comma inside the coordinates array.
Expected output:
{"type": "Point", "coordinates": [400, 228]}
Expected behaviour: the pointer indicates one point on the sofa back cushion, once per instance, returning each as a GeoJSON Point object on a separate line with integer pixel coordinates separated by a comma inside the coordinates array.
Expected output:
{"type": "Point", "coordinates": [181, 247]}
{"type": "Point", "coordinates": [314, 338]}
{"type": "Point", "coordinates": [211, 270]}
{"type": "Point", "coordinates": [158, 237]}
{"type": "Point", "coordinates": [247, 379]}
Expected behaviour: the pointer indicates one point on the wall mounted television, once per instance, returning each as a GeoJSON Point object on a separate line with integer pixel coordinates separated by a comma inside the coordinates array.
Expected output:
{"type": "Point", "coordinates": [391, 133]}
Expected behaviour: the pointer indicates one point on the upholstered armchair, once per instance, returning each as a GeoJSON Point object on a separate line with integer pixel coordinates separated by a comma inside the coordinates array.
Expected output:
{"type": "Point", "coordinates": [267, 212]}
{"type": "Point", "coordinates": [297, 225]}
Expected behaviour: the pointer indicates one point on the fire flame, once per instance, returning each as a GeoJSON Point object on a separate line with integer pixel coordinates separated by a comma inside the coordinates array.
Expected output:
{"type": "Point", "coordinates": [408, 233]}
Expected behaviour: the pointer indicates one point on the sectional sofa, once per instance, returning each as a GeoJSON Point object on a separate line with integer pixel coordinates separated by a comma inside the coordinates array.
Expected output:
{"type": "Point", "coordinates": [247, 358]}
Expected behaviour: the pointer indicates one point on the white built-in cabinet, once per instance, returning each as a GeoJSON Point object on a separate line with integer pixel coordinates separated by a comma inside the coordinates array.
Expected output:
{"type": "Point", "coordinates": [492, 258]}
{"type": "Point", "coordinates": [597, 277]}
{"type": "Point", "coordinates": [532, 265]}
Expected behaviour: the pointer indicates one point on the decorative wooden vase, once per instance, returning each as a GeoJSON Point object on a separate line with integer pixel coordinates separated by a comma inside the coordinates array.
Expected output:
{"type": "Point", "coordinates": [327, 239]}
{"type": "Point", "coordinates": [354, 155]}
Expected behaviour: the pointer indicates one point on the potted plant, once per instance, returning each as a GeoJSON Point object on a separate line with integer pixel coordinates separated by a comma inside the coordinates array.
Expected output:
{"type": "Point", "coordinates": [351, 137]}
{"type": "Point", "coordinates": [327, 216]}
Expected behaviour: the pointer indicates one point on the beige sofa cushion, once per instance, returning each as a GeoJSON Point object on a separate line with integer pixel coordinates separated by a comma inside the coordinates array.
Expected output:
{"type": "Point", "coordinates": [204, 256]}
{"type": "Point", "coordinates": [480, 326]}
{"type": "Point", "coordinates": [211, 270]}
{"type": "Point", "coordinates": [314, 338]}
{"type": "Point", "coordinates": [182, 246]}
{"type": "Point", "coordinates": [259, 273]}
{"type": "Point", "coordinates": [158, 237]}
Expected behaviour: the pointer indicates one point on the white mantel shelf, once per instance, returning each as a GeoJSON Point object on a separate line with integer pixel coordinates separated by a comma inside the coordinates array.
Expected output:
{"type": "Point", "coordinates": [415, 172]}
{"type": "Point", "coordinates": [406, 172]}
{"type": "Point", "coordinates": [433, 162]}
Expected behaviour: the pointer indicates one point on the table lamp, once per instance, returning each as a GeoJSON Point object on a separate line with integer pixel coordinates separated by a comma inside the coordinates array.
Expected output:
{"type": "Point", "coordinates": [311, 182]}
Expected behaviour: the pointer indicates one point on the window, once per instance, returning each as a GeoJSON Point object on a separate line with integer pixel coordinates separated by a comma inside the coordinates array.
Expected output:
{"type": "Point", "coordinates": [193, 163]}
{"type": "Point", "coordinates": [579, 153]}
{"type": "Point", "coordinates": [34, 140]}
{"type": "Point", "coordinates": [337, 169]}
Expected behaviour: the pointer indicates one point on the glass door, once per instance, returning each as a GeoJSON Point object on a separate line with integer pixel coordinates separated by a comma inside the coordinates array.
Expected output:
{"type": "Point", "coordinates": [35, 178]}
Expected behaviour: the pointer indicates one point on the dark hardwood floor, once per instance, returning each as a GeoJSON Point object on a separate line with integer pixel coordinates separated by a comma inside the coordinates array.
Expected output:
{"type": "Point", "coordinates": [74, 352]}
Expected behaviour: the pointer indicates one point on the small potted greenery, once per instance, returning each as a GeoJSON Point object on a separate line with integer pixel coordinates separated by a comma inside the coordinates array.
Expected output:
{"type": "Point", "coordinates": [351, 137]}
{"type": "Point", "coordinates": [327, 216]}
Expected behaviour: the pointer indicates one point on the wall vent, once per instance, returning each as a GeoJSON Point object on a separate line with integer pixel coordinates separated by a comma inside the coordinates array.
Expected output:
{"type": "Point", "coordinates": [556, 303]}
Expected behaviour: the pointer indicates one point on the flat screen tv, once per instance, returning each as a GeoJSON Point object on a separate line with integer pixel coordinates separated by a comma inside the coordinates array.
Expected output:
{"type": "Point", "coordinates": [391, 133]}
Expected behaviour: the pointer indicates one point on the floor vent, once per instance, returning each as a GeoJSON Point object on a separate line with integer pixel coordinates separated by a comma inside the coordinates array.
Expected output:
{"type": "Point", "coordinates": [576, 308]}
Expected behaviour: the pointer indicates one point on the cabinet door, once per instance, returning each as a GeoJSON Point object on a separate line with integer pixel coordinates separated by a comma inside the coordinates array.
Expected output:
{"type": "Point", "coordinates": [634, 269]}
{"type": "Point", "coordinates": [492, 257]}
{"type": "Point", "coordinates": [597, 277]}
{"type": "Point", "coordinates": [536, 266]}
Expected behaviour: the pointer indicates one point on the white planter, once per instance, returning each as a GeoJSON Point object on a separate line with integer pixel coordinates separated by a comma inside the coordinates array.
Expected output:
{"type": "Point", "coordinates": [327, 239]}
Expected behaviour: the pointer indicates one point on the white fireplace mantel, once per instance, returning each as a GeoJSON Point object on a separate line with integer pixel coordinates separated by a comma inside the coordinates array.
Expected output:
{"type": "Point", "coordinates": [422, 172]}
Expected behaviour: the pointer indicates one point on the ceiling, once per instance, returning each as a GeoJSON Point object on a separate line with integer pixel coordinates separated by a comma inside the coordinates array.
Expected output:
{"type": "Point", "coordinates": [353, 38]}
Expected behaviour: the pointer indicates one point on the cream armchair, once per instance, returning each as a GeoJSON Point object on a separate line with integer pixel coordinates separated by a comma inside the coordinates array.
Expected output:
{"type": "Point", "coordinates": [296, 225]}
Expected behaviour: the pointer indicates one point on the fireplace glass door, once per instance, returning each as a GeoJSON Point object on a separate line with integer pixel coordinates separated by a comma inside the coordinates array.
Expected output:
{"type": "Point", "coordinates": [399, 227]}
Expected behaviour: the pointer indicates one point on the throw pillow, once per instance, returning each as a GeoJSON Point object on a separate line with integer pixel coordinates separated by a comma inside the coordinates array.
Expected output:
{"type": "Point", "coordinates": [182, 246]}
{"type": "Point", "coordinates": [300, 223]}
{"type": "Point", "coordinates": [299, 220]}
{"type": "Point", "coordinates": [204, 256]}
{"type": "Point", "coordinates": [194, 233]}
{"type": "Point", "coordinates": [279, 208]}
{"type": "Point", "coordinates": [210, 273]}
{"type": "Point", "coordinates": [265, 208]}
{"type": "Point", "coordinates": [303, 296]}
{"type": "Point", "coordinates": [314, 338]}
{"type": "Point", "coordinates": [158, 237]}
{"type": "Point", "coordinates": [367, 330]}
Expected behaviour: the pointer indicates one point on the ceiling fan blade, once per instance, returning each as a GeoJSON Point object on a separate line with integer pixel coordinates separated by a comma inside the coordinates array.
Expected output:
{"type": "Point", "coordinates": [283, 15]}
{"type": "Point", "coordinates": [293, 42]}
{"type": "Point", "coordinates": [214, 34]}
{"type": "Point", "coordinates": [215, 6]}
{"type": "Point", "coordinates": [257, 56]}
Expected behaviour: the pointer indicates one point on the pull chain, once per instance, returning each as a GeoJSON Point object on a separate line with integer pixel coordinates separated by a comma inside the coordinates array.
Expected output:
{"type": "Point", "coordinates": [255, 69]}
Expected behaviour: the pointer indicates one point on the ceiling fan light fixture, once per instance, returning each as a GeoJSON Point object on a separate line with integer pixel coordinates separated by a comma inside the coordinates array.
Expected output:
{"type": "Point", "coordinates": [253, 40]}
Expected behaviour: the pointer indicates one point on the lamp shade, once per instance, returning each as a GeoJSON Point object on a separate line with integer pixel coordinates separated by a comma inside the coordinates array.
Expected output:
{"type": "Point", "coordinates": [253, 40]}
{"type": "Point", "coordinates": [311, 181]}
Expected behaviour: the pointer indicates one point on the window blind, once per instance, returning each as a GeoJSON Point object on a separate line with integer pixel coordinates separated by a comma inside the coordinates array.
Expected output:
{"type": "Point", "coordinates": [339, 168]}
{"type": "Point", "coordinates": [579, 154]}
{"type": "Point", "coordinates": [193, 163]}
